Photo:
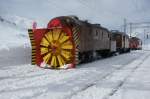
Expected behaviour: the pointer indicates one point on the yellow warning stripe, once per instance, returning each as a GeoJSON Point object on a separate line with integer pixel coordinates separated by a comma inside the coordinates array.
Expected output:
{"type": "Point", "coordinates": [76, 41]}
{"type": "Point", "coordinates": [33, 53]}
{"type": "Point", "coordinates": [33, 57]}
{"type": "Point", "coordinates": [75, 29]}
{"type": "Point", "coordinates": [76, 36]}
{"type": "Point", "coordinates": [33, 63]}
{"type": "Point", "coordinates": [75, 32]}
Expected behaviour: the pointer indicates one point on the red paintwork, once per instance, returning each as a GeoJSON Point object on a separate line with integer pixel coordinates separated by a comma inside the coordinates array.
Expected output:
{"type": "Point", "coordinates": [39, 33]}
{"type": "Point", "coordinates": [37, 36]}
{"type": "Point", "coordinates": [135, 43]}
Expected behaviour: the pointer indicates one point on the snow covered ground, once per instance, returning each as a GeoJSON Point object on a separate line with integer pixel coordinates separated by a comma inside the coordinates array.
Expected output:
{"type": "Point", "coordinates": [124, 76]}
{"type": "Point", "coordinates": [137, 85]}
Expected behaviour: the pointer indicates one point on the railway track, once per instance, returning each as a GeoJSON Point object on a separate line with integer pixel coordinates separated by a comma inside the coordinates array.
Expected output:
{"type": "Point", "coordinates": [66, 84]}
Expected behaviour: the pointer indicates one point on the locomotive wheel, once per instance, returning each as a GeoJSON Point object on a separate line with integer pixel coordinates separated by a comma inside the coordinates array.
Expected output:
{"type": "Point", "coordinates": [56, 48]}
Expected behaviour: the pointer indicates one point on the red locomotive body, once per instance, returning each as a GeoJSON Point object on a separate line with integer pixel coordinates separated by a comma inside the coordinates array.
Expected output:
{"type": "Point", "coordinates": [135, 43]}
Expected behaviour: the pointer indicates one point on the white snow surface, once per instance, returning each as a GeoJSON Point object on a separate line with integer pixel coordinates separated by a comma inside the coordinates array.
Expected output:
{"type": "Point", "coordinates": [13, 34]}
{"type": "Point", "coordinates": [124, 76]}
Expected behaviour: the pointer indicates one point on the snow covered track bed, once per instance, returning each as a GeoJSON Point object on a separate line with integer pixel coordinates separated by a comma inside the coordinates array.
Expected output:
{"type": "Point", "coordinates": [15, 56]}
{"type": "Point", "coordinates": [110, 78]}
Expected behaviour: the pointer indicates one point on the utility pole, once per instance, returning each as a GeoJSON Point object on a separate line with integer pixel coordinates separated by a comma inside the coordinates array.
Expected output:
{"type": "Point", "coordinates": [125, 25]}
{"type": "Point", "coordinates": [130, 29]}
{"type": "Point", "coordinates": [147, 35]}
{"type": "Point", "coordinates": [144, 37]}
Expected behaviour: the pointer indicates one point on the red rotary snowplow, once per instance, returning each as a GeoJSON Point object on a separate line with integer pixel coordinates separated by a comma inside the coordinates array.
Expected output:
{"type": "Point", "coordinates": [55, 46]}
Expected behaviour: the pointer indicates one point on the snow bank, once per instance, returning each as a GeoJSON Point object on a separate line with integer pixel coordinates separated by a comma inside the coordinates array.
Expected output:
{"type": "Point", "coordinates": [13, 34]}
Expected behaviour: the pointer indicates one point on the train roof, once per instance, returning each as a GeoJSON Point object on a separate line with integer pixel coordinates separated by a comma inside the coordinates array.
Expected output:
{"type": "Point", "coordinates": [135, 38]}
{"type": "Point", "coordinates": [118, 32]}
{"type": "Point", "coordinates": [81, 22]}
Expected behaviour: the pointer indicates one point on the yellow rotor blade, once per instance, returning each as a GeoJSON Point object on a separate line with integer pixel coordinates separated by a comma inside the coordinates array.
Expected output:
{"type": "Point", "coordinates": [47, 57]}
{"type": "Point", "coordinates": [62, 34]}
{"type": "Point", "coordinates": [56, 34]}
{"type": "Point", "coordinates": [44, 42]}
{"type": "Point", "coordinates": [44, 50]}
{"type": "Point", "coordinates": [66, 54]}
{"type": "Point", "coordinates": [53, 62]}
{"type": "Point", "coordinates": [64, 38]}
{"type": "Point", "coordinates": [49, 36]}
{"type": "Point", "coordinates": [70, 46]}
{"type": "Point", "coordinates": [67, 43]}
{"type": "Point", "coordinates": [60, 60]}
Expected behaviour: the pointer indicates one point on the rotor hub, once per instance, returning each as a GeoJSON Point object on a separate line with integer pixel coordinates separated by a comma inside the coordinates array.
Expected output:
{"type": "Point", "coordinates": [57, 48]}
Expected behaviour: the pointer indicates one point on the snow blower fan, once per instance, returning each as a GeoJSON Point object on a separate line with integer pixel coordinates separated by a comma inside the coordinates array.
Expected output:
{"type": "Point", "coordinates": [54, 46]}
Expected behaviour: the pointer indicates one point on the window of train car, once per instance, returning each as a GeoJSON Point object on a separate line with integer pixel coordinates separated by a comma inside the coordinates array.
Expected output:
{"type": "Point", "coordinates": [105, 34]}
{"type": "Point", "coordinates": [96, 32]}
{"type": "Point", "coordinates": [102, 34]}
{"type": "Point", "coordinates": [96, 36]}
{"type": "Point", "coordinates": [99, 32]}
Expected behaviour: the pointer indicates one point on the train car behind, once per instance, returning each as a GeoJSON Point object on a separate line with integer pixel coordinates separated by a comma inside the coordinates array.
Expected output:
{"type": "Point", "coordinates": [122, 41]}
{"type": "Point", "coordinates": [135, 43]}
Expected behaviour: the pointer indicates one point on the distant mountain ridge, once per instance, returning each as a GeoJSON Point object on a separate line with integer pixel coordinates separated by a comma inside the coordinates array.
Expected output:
{"type": "Point", "coordinates": [16, 22]}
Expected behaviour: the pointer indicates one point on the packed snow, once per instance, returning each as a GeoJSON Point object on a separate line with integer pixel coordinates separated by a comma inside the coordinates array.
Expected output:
{"type": "Point", "coordinates": [111, 78]}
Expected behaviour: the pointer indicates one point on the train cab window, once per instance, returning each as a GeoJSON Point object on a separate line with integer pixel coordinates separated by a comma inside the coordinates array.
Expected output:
{"type": "Point", "coordinates": [96, 33]}
{"type": "Point", "coordinates": [104, 34]}
{"type": "Point", "coordinates": [123, 38]}
{"type": "Point", "coordinates": [99, 33]}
